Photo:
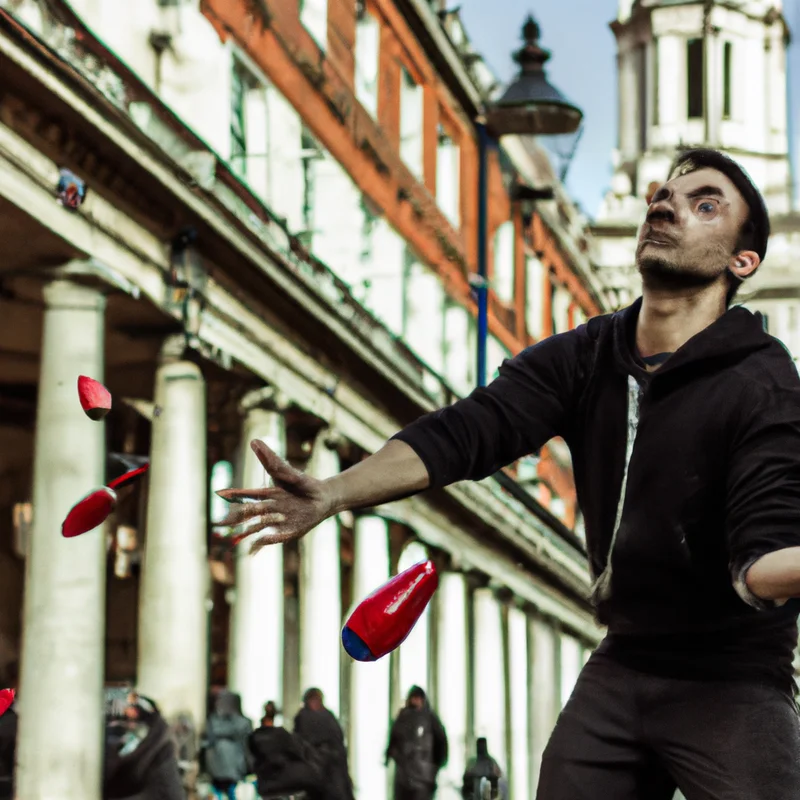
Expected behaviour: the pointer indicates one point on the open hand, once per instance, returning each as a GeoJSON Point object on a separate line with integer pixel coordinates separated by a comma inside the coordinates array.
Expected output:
{"type": "Point", "coordinates": [295, 503]}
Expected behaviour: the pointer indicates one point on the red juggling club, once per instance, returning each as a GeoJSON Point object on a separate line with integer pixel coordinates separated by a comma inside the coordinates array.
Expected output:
{"type": "Point", "coordinates": [90, 512]}
{"type": "Point", "coordinates": [95, 398]}
{"type": "Point", "coordinates": [6, 700]}
{"type": "Point", "coordinates": [382, 621]}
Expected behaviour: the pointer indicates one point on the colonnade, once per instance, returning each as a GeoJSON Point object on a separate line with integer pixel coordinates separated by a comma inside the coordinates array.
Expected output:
{"type": "Point", "coordinates": [490, 667]}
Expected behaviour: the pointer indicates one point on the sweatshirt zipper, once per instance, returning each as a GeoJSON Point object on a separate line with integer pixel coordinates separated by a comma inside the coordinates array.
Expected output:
{"type": "Point", "coordinates": [602, 586]}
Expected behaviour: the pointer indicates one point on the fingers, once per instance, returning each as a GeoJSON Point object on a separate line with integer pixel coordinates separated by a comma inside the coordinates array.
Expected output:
{"type": "Point", "coordinates": [275, 536]}
{"type": "Point", "coordinates": [242, 496]}
{"type": "Point", "coordinates": [240, 514]}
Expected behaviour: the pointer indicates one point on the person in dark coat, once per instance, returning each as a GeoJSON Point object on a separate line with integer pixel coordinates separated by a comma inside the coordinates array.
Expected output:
{"type": "Point", "coordinates": [139, 761]}
{"type": "Point", "coordinates": [482, 766]}
{"type": "Point", "coordinates": [418, 747]}
{"type": "Point", "coordinates": [279, 763]}
{"type": "Point", "coordinates": [225, 745]}
{"type": "Point", "coordinates": [323, 745]}
{"type": "Point", "coordinates": [8, 736]}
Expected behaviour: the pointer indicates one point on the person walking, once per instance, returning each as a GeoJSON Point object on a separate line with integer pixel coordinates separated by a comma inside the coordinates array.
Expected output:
{"type": "Point", "coordinates": [323, 745]}
{"type": "Point", "coordinates": [139, 762]}
{"type": "Point", "coordinates": [682, 415]}
{"type": "Point", "coordinates": [279, 764]}
{"type": "Point", "coordinates": [418, 747]}
{"type": "Point", "coordinates": [225, 747]}
{"type": "Point", "coordinates": [483, 766]}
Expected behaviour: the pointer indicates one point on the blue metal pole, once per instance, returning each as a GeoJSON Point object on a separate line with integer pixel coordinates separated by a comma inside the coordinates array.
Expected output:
{"type": "Point", "coordinates": [483, 271]}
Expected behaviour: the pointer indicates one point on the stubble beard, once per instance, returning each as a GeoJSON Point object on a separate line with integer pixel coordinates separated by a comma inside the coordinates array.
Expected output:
{"type": "Point", "coordinates": [662, 273]}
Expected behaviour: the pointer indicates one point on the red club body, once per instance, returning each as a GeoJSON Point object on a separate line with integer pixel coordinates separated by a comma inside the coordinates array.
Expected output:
{"type": "Point", "coordinates": [90, 512]}
{"type": "Point", "coordinates": [382, 621]}
{"type": "Point", "coordinates": [6, 700]}
{"type": "Point", "coordinates": [128, 478]}
{"type": "Point", "coordinates": [95, 398]}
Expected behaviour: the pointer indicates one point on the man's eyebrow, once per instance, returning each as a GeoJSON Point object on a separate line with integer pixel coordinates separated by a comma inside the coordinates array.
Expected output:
{"type": "Point", "coordinates": [706, 191]}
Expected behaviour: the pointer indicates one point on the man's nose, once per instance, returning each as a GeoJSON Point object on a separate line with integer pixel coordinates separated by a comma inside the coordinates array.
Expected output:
{"type": "Point", "coordinates": [661, 206]}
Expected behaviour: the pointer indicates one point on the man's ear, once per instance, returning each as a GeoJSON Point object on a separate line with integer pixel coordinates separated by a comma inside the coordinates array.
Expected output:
{"type": "Point", "coordinates": [744, 263]}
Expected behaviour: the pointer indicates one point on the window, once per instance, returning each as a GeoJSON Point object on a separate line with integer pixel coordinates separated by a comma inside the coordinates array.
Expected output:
{"type": "Point", "coordinates": [310, 153]}
{"type": "Point", "coordinates": [239, 82]}
{"type": "Point", "coordinates": [368, 34]}
{"type": "Point", "coordinates": [448, 169]}
{"type": "Point", "coordinates": [695, 58]}
{"type": "Point", "coordinates": [496, 354]}
{"type": "Point", "coordinates": [503, 282]}
{"type": "Point", "coordinates": [411, 123]}
{"type": "Point", "coordinates": [656, 87]}
{"type": "Point", "coordinates": [727, 66]}
{"type": "Point", "coordinates": [534, 297]}
{"type": "Point", "coordinates": [314, 16]}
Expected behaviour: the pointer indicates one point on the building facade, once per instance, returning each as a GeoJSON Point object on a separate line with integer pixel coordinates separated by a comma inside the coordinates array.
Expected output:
{"type": "Point", "coordinates": [703, 74]}
{"type": "Point", "coordinates": [278, 240]}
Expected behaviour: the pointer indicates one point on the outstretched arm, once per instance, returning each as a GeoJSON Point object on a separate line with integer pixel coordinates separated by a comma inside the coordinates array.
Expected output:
{"type": "Point", "coordinates": [529, 403]}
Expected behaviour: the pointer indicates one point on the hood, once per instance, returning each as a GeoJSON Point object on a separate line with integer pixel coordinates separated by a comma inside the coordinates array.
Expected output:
{"type": "Point", "coordinates": [729, 339]}
{"type": "Point", "coordinates": [228, 704]}
{"type": "Point", "coordinates": [417, 691]}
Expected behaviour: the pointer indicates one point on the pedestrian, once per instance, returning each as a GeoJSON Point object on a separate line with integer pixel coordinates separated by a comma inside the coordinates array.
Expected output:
{"type": "Point", "coordinates": [683, 419]}
{"type": "Point", "coordinates": [9, 722]}
{"type": "Point", "coordinates": [226, 755]}
{"type": "Point", "coordinates": [279, 764]}
{"type": "Point", "coordinates": [139, 758]}
{"type": "Point", "coordinates": [323, 745]}
{"type": "Point", "coordinates": [483, 766]}
{"type": "Point", "coordinates": [418, 747]}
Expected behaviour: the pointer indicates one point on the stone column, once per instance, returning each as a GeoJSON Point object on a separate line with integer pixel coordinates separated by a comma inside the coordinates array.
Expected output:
{"type": "Point", "coordinates": [256, 633]}
{"type": "Point", "coordinates": [453, 674]}
{"type": "Point", "coordinates": [370, 688]}
{"type": "Point", "coordinates": [545, 704]}
{"type": "Point", "coordinates": [414, 653]}
{"type": "Point", "coordinates": [174, 588]}
{"type": "Point", "coordinates": [321, 593]}
{"type": "Point", "coordinates": [489, 683]}
{"type": "Point", "coordinates": [59, 747]}
{"type": "Point", "coordinates": [520, 703]}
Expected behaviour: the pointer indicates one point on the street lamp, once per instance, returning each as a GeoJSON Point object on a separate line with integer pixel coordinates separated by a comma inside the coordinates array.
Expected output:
{"type": "Point", "coordinates": [530, 106]}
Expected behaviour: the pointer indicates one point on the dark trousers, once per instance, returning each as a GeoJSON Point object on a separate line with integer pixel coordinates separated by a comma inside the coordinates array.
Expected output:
{"type": "Point", "coordinates": [627, 735]}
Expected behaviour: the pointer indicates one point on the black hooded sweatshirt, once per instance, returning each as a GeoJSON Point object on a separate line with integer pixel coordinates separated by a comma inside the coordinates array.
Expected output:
{"type": "Point", "coordinates": [685, 476]}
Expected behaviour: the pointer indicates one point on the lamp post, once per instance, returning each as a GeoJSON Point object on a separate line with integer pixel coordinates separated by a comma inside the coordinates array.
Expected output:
{"type": "Point", "coordinates": [530, 106]}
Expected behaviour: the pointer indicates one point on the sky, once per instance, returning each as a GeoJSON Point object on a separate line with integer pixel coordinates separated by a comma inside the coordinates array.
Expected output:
{"type": "Point", "coordinates": [583, 67]}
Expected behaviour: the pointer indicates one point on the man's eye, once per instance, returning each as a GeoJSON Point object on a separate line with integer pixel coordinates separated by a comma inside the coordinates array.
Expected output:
{"type": "Point", "coordinates": [707, 207]}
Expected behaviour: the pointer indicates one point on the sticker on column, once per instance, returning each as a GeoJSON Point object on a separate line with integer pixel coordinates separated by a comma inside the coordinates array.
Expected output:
{"type": "Point", "coordinates": [382, 621]}
{"type": "Point", "coordinates": [95, 398]}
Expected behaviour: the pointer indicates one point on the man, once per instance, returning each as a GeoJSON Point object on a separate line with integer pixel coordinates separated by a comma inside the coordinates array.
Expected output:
{"type": "Point", "coordinates": [418, 746]}
{"type": "Point", "coordinates": [279, 763]}
{"type": "Point", "coordinates": [683, 419]}
{"type": "Point", "coordinates": [322, 744]}
{"type": "Point", "coordinates": [479, 769]}
{"type": "Point", "coordinates": [139, 760]}
{"type": "Point", "coordinates": [226, 753]}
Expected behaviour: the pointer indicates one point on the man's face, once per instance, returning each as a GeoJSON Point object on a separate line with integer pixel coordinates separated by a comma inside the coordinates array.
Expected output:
{"type": "Point", "coordinates": [691, 230]}
{"type": "Point", "coordinates": [415, 701]}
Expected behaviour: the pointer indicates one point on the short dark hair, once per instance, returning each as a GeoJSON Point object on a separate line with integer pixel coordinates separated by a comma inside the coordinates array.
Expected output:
{"type": "Point", "coordinates": [754, 233]}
